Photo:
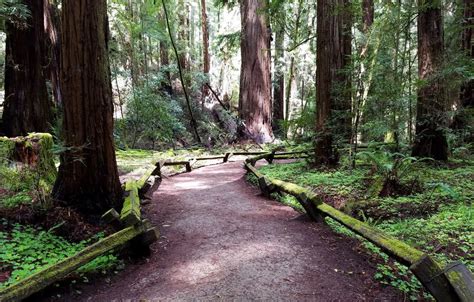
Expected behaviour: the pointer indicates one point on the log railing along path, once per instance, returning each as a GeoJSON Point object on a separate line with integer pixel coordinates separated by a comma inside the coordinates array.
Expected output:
{"type": "Point", "coordinates": [223, 240]}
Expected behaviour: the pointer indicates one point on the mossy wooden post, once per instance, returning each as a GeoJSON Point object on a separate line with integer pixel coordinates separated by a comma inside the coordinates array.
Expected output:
{"type": "Point", "coordinates": [308, 200]}
{"type": "Point", "coordinates": [159, 166]}
{"type": "Point", "coordinates": [130, 213]}
{"type": "Point", "coordinates": [265, 186]}
{"type": "Point", "coordinates": [461, 280]}
{"type": "Point", "coordinates": [51, 274]}
{"type": "Point", "coordinates": [112, 217]}
{"type": "Point", "coordinates": [431, 275]}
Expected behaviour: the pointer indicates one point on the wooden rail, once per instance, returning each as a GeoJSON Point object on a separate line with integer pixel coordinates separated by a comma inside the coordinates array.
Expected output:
{"type": "Point", "coordinates": [451, 283]}
{"type": "Point", "coordinates": [225, 158]}
{"type": "Point", "coordinates": [129, 225]}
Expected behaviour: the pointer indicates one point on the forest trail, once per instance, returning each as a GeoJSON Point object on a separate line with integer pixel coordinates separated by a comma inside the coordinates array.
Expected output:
{"type": "Point", "coordinates": [221, 240]}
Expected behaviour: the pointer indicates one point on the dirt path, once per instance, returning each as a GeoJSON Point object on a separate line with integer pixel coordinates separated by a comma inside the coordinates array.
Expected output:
{"type": "Point", "coordinates": [221, 240]}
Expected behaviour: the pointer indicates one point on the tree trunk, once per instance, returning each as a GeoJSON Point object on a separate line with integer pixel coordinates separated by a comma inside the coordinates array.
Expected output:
{"type": "Point", "coordinates": [343, 96]}
{"type": "Point", "coordinates": [28, 107]}
{"type": "Point", "coordinates": [330, 61]}
{"type": "Point", "coordinates": [255, 106]}
{"type": "Point", "coordinates": [164, 59]}
{"type": "Point", "coordinates": [430, 140]}
{"type": "Point", "coordinates": [368, 11]}
{"type": "Point", "coordinates": [205, 48]}
{"type": "Point", "coordinates": [464, 115]}
{"type": "Point", "coordinates": [88, 177]}
{"type": "Point", "coordinates": [279, 86]}
{"type": "Point", "coordinates": [53, 47]}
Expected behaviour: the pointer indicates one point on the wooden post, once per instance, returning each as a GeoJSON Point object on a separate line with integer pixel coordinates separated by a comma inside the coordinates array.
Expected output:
{"type": "Point", "coordinates": [227, 156]}
{"type": "Point", "coordinates": [430, 274]}
{"type": "Point", "coordinates": [310, 207]}
{"type": "Point", "coordinates": [461, 280]}
{"type": "Point", "coordinates": [188, 167]}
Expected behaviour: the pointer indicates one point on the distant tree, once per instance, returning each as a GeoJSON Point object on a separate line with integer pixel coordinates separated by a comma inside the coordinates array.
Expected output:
{"type": "Point", "coordinates": [330, 63]}
{"type": "Point", "coordinates": [205, 46]}
{"type": "Point", "coordinates": [255, 106]}
{"type": "Point", "coordinates": [88, 176]}
{"type": "Point", "coordinates": [465, 114]}
{"type": "Point", "coordinates": [28, 108]}
{"type": "Point", "coordinates": [279, 78]}
{"type": "Point", "coordinates": [430, 139]}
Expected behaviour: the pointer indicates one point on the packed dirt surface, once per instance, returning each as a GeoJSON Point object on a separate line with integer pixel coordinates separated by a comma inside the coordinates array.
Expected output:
{"type": "Point", "coordinates": [221, 240]}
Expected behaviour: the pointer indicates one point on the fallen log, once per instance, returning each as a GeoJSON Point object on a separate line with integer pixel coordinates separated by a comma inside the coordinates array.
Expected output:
{"type": "Point", "coordinates": [58, 271]}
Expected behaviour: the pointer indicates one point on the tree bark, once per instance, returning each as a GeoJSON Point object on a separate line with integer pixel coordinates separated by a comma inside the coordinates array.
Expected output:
{"type": "Point", "coordinates": [343, 98]}
{"type": "Point", "coordinates": [255, 106]}
{"type": "Point", "coordinates": [430, 139]}
{"type": "Point", "coordinates": [368, 11]}
{"type": "Point", "coordinates": [464, 115]}
{"type": "Point", "coordinates": [88, 177]}
{"type": "Point", "coordinates": [279, 86]}
{"type": "Point", "coordinates": [330, 61]}
{"type": "Point", "coordinates": [28, 107]}
{"type": "Point", "coordinates": [205, 48]}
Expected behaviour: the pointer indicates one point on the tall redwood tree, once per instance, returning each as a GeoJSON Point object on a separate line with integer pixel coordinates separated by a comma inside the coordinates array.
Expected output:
{"type": "Point", "coordinates": [88, 177]}
{"type": "Point", "coordinates": [330, 58]}
{"type": "Point", "coordinates": [255, 106]}
{"type": "Point", "coordinates": [279, 79]}
{"type": "Point", "coordinates": [28, 108]}
{"type": "Point", "coordinates": [430, 140]}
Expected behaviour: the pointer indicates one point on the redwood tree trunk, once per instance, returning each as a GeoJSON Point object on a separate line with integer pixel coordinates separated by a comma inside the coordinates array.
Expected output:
{"type": "Point", "coordinates": [430, 140]}
{"type": "Point", "coordinates": [342, 92]}
{"type": "Point", "coordinates": [279, 86]}
{"type": "Point", "coordinates": [205, 47]}
{"type": "Point", "coordinates": [255, 106]}
{"type": "Point", "coordinates": [88, 177]}
{"type": "Point", "coordinates": [27, 107]}
{"type": "Point", "coordinates": [368, 11]}
{"type": "Point", "coordinates": [464, 117]}
{"type": "Point", "coordinates": [330, 61]}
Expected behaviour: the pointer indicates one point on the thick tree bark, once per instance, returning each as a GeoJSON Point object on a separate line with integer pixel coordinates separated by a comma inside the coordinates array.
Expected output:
{"type": "Point", "coordinates": [88, 177]}
{"type": "Point", "coordinates": [430, 140]}
{"type": "Point", "coordinates": [330, 61]}
{"type": "Point", "coordinates": [255, 106]}
{"type": "Point", "coordinates": [368, 12]}
{"type": "Point", "coordinates": [165, 62]}
{"type": "Point", "coordinates": [205, 47]}
{"type": "Point", "coordinates": [464, 117]}
{"type": "Point", "coordinates": [343, 96]}
{"type": "Point", "coordinates": [28, 107]}
{"type": "Point", "coordinates": [279, 86]}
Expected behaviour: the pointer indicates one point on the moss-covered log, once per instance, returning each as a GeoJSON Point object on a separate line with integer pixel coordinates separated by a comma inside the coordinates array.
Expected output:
{"type": "Point", "coordinates": [140, 183]}
{"type": "Point", "coordinates": [399, 250]}
{"type": "Point", "coordinates": [453, 284]}
{"type": "Point", "coordinates": [130, 214]}
{"type": "Point", "coordinates": [56, 272]}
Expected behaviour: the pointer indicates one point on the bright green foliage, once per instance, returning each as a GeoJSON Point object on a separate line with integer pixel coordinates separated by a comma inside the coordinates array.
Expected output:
{"type": "Point", "coordinates": [26, 250]}
{"type": "Point", "coordinates": [439, 219]}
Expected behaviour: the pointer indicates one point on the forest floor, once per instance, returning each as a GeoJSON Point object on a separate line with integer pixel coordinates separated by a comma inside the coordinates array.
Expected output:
{"type": "Point", "coordinates": [221, 240]}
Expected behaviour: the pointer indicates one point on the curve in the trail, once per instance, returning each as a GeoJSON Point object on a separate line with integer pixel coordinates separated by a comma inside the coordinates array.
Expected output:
{"type": "Point", "coordinates": [221, 240]}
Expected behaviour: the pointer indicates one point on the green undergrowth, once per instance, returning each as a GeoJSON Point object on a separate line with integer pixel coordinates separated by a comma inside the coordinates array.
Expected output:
{"type": "Point", "coordinates": [437, 218]}
{"type": "Point", "coordinates": [26, 250]}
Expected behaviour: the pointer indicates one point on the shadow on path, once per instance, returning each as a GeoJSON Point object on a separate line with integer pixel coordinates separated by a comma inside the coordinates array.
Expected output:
{"type": "Point", "coordinates": [221, 240]}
